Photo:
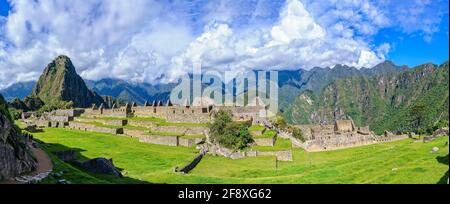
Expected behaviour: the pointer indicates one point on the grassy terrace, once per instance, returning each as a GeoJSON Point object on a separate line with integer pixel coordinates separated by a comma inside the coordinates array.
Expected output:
{"type": "Point", "coordinates": [405, 161]}
{"type": "Point", "coordinates": [267, 134]}
{"type": "Point", "coordinates": [280, 144]}
{"type": "Point", "coordinates": [256, 128]}
{"type": "Point", "coordinates": [157, 121]}
{"type": "Point", "coordinates": [146, 129]}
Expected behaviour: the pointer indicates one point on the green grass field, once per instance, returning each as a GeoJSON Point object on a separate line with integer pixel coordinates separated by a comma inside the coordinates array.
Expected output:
{"type": "Point", "coordinates": [405, 161]}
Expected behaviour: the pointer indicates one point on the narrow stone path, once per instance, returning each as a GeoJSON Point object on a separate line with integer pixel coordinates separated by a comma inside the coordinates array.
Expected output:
{"type": "Point", "coordinates": [44, 168]}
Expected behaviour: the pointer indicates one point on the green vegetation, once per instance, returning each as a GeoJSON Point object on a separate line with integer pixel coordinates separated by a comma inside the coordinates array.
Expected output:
{"type": "Point", "coordinates": [229, 133]}
{"type": "Point", "coordinates": [411, 100]}
{"type": "Point", "coordinates": [280, 144]}
{"type": "Point", "coordinates": [256, 128]}
{"type": "Point", "coordinates": [405, 161]}
{"type": "Point", "coordinates": [281, 123]}
{"type": "Point", "coordinates": [139, 161]}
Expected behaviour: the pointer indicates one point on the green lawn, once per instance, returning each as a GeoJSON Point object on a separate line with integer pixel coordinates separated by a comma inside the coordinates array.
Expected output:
{"type": "Point", "coordinates": [256, 128]}
{"type": "Point", "coordinates": [280, 144]}
{"type": "Point", "coordinates": [402, 161]}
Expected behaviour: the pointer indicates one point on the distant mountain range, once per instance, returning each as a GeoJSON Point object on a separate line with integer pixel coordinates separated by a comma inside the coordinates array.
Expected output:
{"type": "Point", "coordinates": [291, 84]}
{"type": "Point", "coordinates": [384, 97]}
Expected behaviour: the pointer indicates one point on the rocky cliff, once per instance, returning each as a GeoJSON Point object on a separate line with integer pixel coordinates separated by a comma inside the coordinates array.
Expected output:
{"type": "Point", "coordinates": [15, 158]}
{"type": "Point", "coordinates": [60, 82]}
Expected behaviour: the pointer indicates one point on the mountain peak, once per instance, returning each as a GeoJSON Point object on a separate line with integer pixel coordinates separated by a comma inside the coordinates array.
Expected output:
{"type": "Point", "coordinates": [62, 63]}
{"type": "Point", "coordinates": [60, 82]}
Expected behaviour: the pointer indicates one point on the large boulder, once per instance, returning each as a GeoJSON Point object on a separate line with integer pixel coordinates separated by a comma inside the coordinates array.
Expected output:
{"type": "Point", "coordinates": [15, 158]}
{"type": "Point", "coordinates": [66, 156]}
{"type": "Point", "coordinates": [100, 165]}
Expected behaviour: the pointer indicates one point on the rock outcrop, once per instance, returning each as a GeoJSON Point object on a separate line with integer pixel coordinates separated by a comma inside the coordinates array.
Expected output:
{"type": "Point", "coordinates": [15, 158]}
{"type": "Point", "coordinates": [60, 82]}
{"type": "Point", "coordinates": [101, 166]}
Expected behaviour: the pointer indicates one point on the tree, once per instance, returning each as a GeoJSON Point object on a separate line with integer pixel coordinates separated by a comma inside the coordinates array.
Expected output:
{"type": "Point", "coordinates": [418, 112]}
{"type": "Point", "coordinates": [228, 133]}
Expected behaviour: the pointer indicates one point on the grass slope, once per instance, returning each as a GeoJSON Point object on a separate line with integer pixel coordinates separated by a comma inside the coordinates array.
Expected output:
{"type": "Point", "coordinates": [403, 161]}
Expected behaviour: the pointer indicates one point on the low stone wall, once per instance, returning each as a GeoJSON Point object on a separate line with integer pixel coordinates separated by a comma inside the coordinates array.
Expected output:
{"type": "Point", "coordinates": [94, 128]}
{"type": "Point", "coordinates": [69, 112]}
{"type": "Point", "coordinates": [188, 142]}
{"type": "Point", "coordinates": [189, 118]}
{"type": "Point", "coordinates": [280, 155]}
{"type": "Point", "coordinates": [180, 129]}
{"type": "Point", "coordinates": [167, 140]}
{"type": "Point", "coordinates": [135, 133]}
{"type": "Point", "coordinates": [161, 140]}
{"type": "Point", "coordinates": [265, 141]}
{"type": "Point", "coordinates": [42, 123]}
{"type": "Point", "coordinates": [56, 124]}
{"type": "Point", "coordinates": [115, 122]}
{"type": "Point", "coordinates": [285, 155]}
{"type": "Point", "coordinates": [105, 122]}
{"type": "Point", "coordinates": [390, 138]}
{"type": "Point", "coordinates": [61, 118]}
{"type": "Point", "coordinates": [141, 123]}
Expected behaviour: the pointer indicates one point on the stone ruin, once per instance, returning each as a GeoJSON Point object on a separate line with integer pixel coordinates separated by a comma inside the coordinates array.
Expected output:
{"type": "Point", "coordinates": [342, 134]}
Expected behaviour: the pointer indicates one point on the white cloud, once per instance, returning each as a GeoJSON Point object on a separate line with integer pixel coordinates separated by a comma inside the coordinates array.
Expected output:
{"type": "Point", "coordinates": [103, 38]}
{"type": "Point", "coordinates": [140, 40]}
{"type": "Point", "coordinates": [295, 41]}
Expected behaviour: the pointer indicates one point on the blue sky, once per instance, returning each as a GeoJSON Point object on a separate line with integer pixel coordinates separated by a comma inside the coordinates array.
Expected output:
{"type": "Point", "coordinates": [152, 41]}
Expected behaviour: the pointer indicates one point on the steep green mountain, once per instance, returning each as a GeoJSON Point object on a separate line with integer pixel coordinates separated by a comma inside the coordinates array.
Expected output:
{"type": "Point", "coordinates": [15, 158]}
{"type": "Point", "coordinates": [398, 101]}
{"type": "Point", "coordinates": [60, 82]}
{"type": "Point", "coordinates": [292, 83]}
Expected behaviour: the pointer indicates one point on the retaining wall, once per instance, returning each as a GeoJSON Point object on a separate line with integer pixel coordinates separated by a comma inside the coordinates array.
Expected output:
{"type": "Point", "coordinates": [94, 128]}
{"type": "Point", "coordinates": [265, 141]}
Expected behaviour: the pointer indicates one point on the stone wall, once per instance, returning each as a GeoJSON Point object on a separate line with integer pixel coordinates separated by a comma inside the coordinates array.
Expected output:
{"type": "Point", "coordinates": [94, 128]}
{"type": "Point", "coordinates": [177, 114]}
{"type": "Point", "coordinates": [285, 155]}
{"type": "Point", "coordinates": [61, 118]}
{"type": "Point", "coordinates": [42, 123]}
{"type": "Point", "coordinates": [149, 111]}
{"type": "Point", "coordinates": [180, 129]}
{"type": "Point", "coordinates": [142, 123]}
{"type": "Point", "coordinates": [280, 155]}
{"type": "Point", "coordinates": [105, 122]}
{"type": "Point", "coordinates": [135, 133]}
{"type": "Point", "coordinates": [56, 124]}
{"type": "Point", "coordinates": [265, 141]}
{"type": "Point", "coordinates": [69, 112]}
{"type": "Point", "coordinates": [188, 142]}
{"type": "Point", "coordinates": [161, 140]}
{"type": "Point", "coordinates": [115, 122]}
{"type": "Point", "coordinates": [339, 142]}
{"type": "Point", "coordinates": [116, 113]}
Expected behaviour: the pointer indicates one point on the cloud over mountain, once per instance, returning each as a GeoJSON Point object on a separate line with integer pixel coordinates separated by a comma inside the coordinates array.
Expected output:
{"type": "Point", "coordinates": [145, 40]}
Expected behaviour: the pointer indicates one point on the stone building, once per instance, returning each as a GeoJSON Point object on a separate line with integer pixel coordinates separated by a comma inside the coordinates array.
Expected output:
{"type": "Point", "coordinates": [342, 134]}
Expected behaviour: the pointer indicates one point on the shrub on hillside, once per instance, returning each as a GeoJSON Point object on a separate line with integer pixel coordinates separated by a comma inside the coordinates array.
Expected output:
{"type": "Point", "coordinates": [228, 133]}
{"type": "Point", "coordinates": [281, 123]}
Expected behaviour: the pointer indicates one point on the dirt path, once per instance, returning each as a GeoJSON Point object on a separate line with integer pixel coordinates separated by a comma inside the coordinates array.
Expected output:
{"type": "Point", "coordinates": [44, 167]}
